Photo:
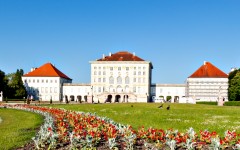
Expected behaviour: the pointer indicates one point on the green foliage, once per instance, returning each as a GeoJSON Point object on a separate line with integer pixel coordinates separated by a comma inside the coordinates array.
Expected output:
{"type": "Point", "coordinates": [207, 103]}
{"type": "Point", "coordinates": [16, 88]}
{"type": "Point", "coordinates": [232, 103]}
{"type": "Point", "coordinates": [234, 87]}
{"type": "Point", "coordinates": [3, 83]}
{"type": "Point", "coordinates": [168, 98]}
{"type": "Point", "coordinates": [17, 127]}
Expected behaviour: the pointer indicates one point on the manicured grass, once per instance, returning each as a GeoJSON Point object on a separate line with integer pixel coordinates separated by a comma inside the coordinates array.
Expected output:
{"type": "Point", "coordinates": [180, 116]}
{"type": "Point", "coordinates": [17, 127]}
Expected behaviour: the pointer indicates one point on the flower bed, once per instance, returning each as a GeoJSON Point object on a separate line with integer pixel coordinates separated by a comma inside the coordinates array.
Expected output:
{"type": "Point", "coordinates": [77, 130]}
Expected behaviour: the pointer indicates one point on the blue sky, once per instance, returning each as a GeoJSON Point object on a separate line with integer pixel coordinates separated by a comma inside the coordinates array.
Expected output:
{"type": "Point", "coordinates": [175, 35]}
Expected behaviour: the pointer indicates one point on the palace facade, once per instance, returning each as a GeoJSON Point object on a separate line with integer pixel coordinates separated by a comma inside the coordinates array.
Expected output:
{"type": "Point", "coordinates": [124, 77]}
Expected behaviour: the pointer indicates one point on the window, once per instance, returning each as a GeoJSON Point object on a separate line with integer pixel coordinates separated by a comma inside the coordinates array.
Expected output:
{"type": "Point", "coordinates": [127, 88]}
{"type": "Point", "coordinates": [139, 89]}
{"type": "Point", "coordinates": [139, 80]}
{"type": "Point", "coordinates": [111, 80]}
{"type": "Point", "coordinates": [134, 89]}
{"type": "Point", "coordinates": [144, 80]}
{"type": "Point", "coordinates": [104, 80]}
{"type": "Point", "coordinates": [99, 79]}
{"type": "Point", "coordinates": [99, 89]}
{"type": "Point", "coordinates": [55, 90]}
{"type": "Point", "coordinates": [119, 89]}
{"type": "Point", "coordinates": [42, 90]}
{"type": "Point", "coordinates": [46, 90]}
{"type": "Point", "coordinates": [111, 68]}
{"type": "Point", "coordinates": [104, 89]}
{"type": "Point", "coordinates": [50, 89]}
{"type": "Point", "coordinates": [99, 73]}
{"type": "Point", "coordinates": [55, 81]}
{"type": "Point", "coordinates": [104, 72]}
{"type": "Point", "coordinates": [104, 68]}
{"type": "Point", "coordinates": [33, 81]}
{"type": "Point", "coordinates": [95, 72]}
{"type": "Point", "coordinates": [144, 73]}
{"type": "Point", "coordinates": [50, 81]}
{"type": "Point", "coordinates": [119, 68]}
{"type": "Point", "coordinates": [119, 80]}
{"type": "Point", "coordinates": [144, 68]}
{"type": "Point", "coordinates": [160, 90]}
{"type": "Point", "coordinates": [127, 80]}
{"type": "Point", "coordinates": [46, 81]}
{"type": "Point", "coordinates": [135, 68]}
{"type": "Point", "coordinates": [134, 73]}
{"type": "Point", "coordinates": [37, 81]}
{"type": "Point", "coordinates": [139, 72]}
{"type": "Point", "coordinates": [127, 68]}
{"type": "Point", "coordinates": [29, 81]}
{"type": "Point", "coordinates": [95, 68]}
{"type": "Point", "coordinates": [111, 89]}
{"type": "Point", "coordinates": [139, 68]}
{"type": "Point", "coordinates": [134, 80]}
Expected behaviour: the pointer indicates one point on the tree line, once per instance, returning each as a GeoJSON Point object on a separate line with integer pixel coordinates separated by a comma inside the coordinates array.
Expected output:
{"type": "Point", "coordinates": [234, 85]}
{"type": "Point", "coordinates": [12, 85]}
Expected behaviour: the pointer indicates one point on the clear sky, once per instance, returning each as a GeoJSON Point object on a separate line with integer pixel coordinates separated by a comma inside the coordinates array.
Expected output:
{"type": "Point", "coordinates": [175, 35]}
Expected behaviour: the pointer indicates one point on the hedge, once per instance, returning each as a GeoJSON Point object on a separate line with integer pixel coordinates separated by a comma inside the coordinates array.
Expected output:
{"type": "Point", "coordinates": [232, 103]}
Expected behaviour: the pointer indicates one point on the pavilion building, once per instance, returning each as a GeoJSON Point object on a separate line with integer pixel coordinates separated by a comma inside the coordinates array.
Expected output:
{"type": "Point", "coordinates": [45, 83]}
{"type": "Point", "coordinates": [207, 83]}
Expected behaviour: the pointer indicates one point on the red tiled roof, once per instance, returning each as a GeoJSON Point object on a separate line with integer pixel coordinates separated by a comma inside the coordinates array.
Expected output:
{"type": "Point", "coordinates": [121, 56]}
{"type": "Point", "coordinates": [208, 70]}
{"type": "Point", "coordinates": [46, 70]}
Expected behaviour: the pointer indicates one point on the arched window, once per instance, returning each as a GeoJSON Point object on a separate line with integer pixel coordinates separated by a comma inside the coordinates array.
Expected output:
{"type": "Point", "coordinates": [127, 89]}
{"type": "Point", "coordinates": [119, 89]}
{"type": "Point", "coordinates": [111, 80]}
{"type": "Point", "coordinates": [127, 80]}
{"type": "Point", "coordinates": [111, 89]}
{"type": "Point", "coordinates": [119, 80]}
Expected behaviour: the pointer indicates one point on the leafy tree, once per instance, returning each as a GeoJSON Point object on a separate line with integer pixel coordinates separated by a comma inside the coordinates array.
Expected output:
{"type": "Point", "coordinates": [3, 83]}
{"type": "Point", "coordinates": [234, 86]}
{"type": "Point", "coordinates": [15, 85]}
{"type": "Point", "coordinates": [232, 75]}
{"type": "Point", "coordinates": [2, 76]}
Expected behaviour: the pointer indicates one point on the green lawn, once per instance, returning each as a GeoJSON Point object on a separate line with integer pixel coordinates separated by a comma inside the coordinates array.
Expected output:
{"type": "Point", "coordinates": [180, 116]}
{"type": "Point", "coordinates": [17, 127]}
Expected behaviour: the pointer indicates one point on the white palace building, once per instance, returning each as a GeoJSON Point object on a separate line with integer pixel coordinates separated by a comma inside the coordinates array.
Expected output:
{"type": "Point", "coordinates": [124, 77]}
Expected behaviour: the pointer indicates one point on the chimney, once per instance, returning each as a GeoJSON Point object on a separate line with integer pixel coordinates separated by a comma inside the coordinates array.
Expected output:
{"type": "Point", "coordinates": [133, 53]}
{"type": "Point", "coordinates": [103, 56]}
{"type": "Point", "coordinates": [110, 54]}
{"type": "Point", "coordinates": [204, 62]}
{"type": "Point", "coordinates": [33, 68]}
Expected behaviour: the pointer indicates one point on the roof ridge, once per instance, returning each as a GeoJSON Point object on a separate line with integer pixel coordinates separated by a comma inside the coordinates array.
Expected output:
{"type": "Point", "coordinates": [121, 56]}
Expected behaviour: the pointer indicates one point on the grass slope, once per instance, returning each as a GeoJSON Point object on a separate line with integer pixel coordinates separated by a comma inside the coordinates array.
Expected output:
{"type": "Point", "coordinates": [180, 116]}
{"type": "Point", "coordinates": [17, 127]}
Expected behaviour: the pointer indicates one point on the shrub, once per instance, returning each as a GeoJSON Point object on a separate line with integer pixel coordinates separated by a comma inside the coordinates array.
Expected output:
{"type": "Point", "coordinates": [207, 103]}
{"type": "Point", "coordinates": [232, 103]}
